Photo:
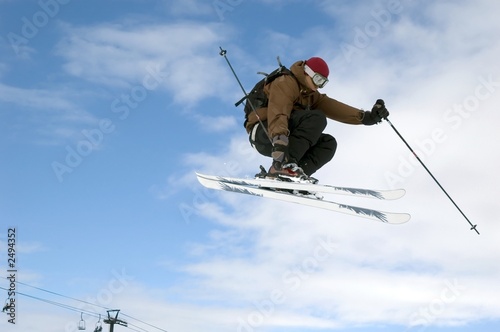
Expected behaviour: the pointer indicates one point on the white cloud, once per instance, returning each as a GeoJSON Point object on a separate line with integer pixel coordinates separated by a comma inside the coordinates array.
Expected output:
{"type": "Point", "coordinates": [374, 273]}
{"type": "Point", "coordinates": [36, 98]}
{"type": "Point", "coordinates": [379, 273]}
{"type": "Point", "coordinates": [185, 54]}
{"type": "Point", "coordinates": [189, 7]}
{"type": "Point", "coordinates": [238, 158]}
{"type": "Point", "coordinates": [217, 123]}
{"type": "Point", "coordinates": [55, 112]}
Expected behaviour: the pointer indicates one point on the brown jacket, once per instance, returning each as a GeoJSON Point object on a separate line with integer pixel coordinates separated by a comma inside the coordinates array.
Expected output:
{"type": "Point", "coordinates": [285, 93]}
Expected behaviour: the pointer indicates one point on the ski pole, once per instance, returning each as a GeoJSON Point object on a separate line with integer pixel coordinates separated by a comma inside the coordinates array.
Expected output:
{"type": "Point", "coordinates": [223, 53]}
{"type": "Point", "coordinates": [473, 227]}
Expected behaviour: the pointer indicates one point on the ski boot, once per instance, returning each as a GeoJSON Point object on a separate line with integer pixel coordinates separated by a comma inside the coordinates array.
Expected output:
{"type": "Point", "coordinates": [289, 172]}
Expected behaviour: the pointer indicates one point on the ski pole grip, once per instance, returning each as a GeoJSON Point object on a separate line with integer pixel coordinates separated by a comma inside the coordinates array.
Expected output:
{"type": "Point", "coordinates": [381, 104]}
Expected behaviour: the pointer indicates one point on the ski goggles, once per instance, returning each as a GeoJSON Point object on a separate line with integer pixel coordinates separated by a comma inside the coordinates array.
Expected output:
{"type": "Point", "coordinates": [318, 79]}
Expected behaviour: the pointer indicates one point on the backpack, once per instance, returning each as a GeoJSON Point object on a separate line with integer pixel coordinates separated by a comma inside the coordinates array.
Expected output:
{"type": "Point", "coordinates": [257, 98]}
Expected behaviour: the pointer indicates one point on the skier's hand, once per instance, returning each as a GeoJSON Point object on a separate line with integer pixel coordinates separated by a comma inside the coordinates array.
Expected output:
{"type": "Point", "coordinates": [378, 112]}
{"type": "Point", "coordinates": [280, 149]}
{"type": "Point", "coordinates": [380, 109]}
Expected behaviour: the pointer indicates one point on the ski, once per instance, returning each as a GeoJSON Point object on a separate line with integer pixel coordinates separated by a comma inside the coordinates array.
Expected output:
{"type": "Point", "coordinates": [308, 187]}
{"type": "Point", "coordinates": [386, 217]}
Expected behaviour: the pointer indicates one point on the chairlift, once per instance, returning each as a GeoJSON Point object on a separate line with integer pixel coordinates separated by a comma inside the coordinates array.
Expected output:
{"type": "Point", "coordinates": [81, 324]}
{"type": "Point", "coordinates": [98, 325]}
{"type": "Point", "coordinates": [6, 307]}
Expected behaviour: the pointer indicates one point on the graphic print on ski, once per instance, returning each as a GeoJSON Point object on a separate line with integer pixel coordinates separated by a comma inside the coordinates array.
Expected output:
{"type": "Point", "coordinates": [372, 214]}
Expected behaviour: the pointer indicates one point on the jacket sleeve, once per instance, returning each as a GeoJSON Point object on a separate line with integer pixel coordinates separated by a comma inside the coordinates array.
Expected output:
{"type": "Point", "coordinates": [339, 111]}
{"type": "Point", "coordinates": [282, 94]}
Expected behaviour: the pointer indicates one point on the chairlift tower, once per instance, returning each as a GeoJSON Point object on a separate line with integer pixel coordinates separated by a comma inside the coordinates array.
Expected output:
{"type": "Point", "coordinates": [114, 320]}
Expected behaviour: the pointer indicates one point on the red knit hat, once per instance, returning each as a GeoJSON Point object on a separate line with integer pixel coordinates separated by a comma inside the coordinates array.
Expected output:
{"type": "Point", "coordinates": [318, 65]}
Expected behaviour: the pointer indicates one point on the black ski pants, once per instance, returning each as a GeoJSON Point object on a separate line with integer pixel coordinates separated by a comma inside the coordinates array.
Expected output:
{"type": "Point", "coordinates": [308, 146]}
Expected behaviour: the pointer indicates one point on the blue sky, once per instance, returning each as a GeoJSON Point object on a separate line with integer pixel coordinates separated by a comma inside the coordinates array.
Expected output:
{"type": "Point", "coordinates": [107, 108]}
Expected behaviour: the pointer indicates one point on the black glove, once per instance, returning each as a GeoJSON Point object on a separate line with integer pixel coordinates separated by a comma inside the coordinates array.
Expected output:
{"type": "Point", "coordinates": [378, 112]}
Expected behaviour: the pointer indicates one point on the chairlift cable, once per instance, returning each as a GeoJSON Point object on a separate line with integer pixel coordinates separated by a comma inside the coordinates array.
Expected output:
{"type": "Point", "coordinates": [69, 307]}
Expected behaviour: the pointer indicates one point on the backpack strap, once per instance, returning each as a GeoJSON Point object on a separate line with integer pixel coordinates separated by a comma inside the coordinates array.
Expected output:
{"type": "Point", "coordinates": [257, 98]}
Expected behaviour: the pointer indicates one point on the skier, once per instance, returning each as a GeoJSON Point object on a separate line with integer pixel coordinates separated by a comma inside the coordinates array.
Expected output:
{"type": "Point", "coordinates": [295, 118]}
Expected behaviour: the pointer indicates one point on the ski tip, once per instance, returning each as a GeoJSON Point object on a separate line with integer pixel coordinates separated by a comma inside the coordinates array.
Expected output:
{"type": "Point", "coordinates": [202, 176]}
{"type": "Point", "coordinates": [203, 179]}
{"type": "Point", "coordinates": [395, 194]}
{"type": "Point", "coordinates": [400, 218]}
{"type": "Point", "coordinates": [199, 176]}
